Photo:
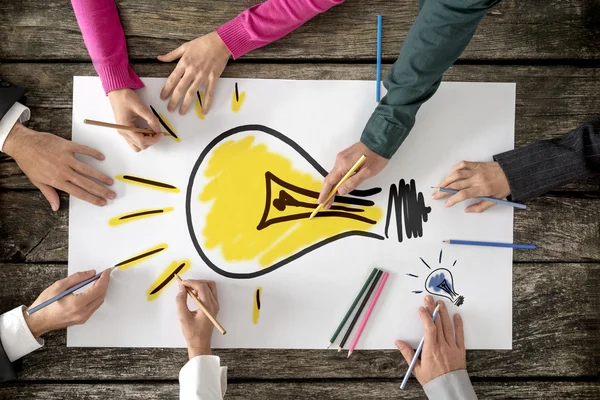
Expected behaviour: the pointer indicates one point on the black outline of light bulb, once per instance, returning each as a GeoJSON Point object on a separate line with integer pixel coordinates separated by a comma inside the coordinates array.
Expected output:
{"type": "Point", "coordinates": [454, 297]}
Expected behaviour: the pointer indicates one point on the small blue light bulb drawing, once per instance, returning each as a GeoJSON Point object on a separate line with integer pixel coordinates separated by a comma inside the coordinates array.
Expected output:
{"type": "Point", "coordinates": [440, 283]}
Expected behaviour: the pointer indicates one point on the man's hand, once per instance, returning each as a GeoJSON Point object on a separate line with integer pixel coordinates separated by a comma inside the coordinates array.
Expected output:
{"type": "Point", "coordinates": [196, 327]}
{"type": "Point", "coordinates": [443, 351]}
{"type": "Point", "coordinates": [49, 162]}
{"type": "Point", "coordinates": [201, 64]}
{"type": "Point", "coordinates": [74, 309]}
{"type": "Point", "coordinates": [128, 107]}
{"type": "Point", "coordinates": [343, 162]}
{"type": "Point", "coordinates": [474, 179]}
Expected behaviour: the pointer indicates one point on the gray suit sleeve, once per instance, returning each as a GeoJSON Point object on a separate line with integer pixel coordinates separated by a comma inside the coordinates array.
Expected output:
{"type": "Point", "coordinates": [542, 166]}
{"type": "Point", "coordinates": [454, 385]}
{"type": "Point", "coordinates": [9, 95]}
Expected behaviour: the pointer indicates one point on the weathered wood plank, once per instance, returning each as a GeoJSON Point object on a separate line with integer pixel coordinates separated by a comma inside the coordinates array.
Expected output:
{"type": "Point", "coordinates": [356, 390]}
{"type": "Point", "coordinates": [555, 313]}
{"type": "Point", "coordinates": [552, 29]}
{"type": "Point", "coordinates": [563, 228]}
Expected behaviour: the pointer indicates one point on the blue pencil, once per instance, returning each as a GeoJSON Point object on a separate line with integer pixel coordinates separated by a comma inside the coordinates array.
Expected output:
{"type": "Point", "coordinates": [66, 292]}
{"type": "Point", "coordinates": [491, 244]}
{"type": "Point", "coordinates": [378, 78]}
{"type": "Point", "coordinates": [418, 352]}
{"type": "Point", "coordinates": [493, 200]}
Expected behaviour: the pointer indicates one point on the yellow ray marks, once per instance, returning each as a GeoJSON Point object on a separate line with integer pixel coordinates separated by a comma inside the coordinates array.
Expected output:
{"type": "Point", "coordinates": [256, 308]}
{"type": "Point", "coordinates": [166, 277]}
{"type": "Point", "coordinates": [136, 180]}
{"type": "Point", "coordinates": [199, 113]}
{"type": "Point", "coordinates": [260, 204]}
{"type": "Point", "coordinates": [139, 214]}
{"type": "Point", "coordinates": [237, 99]}
{"type": "Point", "coordinates": [138, 258]}
{"type": "Point", "coordinates": [165, 123]}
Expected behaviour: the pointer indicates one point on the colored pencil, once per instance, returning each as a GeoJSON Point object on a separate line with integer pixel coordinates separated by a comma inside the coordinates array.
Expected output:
{"type": "Point", "coordinates": [335, 189]}
{"type": "Point", "coordinates": [493, 200]}
{"type": "Point", "coordinates": [491, 244]}
{"type": "Point", "coordinates": [378, 78]}
{"type": "Point", "coordinates": [67, 292]}
{"type": "Point", "coordinates": [354, 303]}
{"type": "Point", "coordinates": [418, 352]}
{"type": "Point", "coordinates": [360, 309]}
{"type": "Point", "coordinates": [147, 132]}
{"type": "Point", "coordinates": [368, 314]}
{"type": "Point", "coordinates": [203, 308]}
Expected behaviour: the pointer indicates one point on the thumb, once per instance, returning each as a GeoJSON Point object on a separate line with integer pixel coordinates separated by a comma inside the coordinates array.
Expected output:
{"type": "Point", "coordinates": [50, 195]}
{"type": "Point", "coordinates": [407, 352]}
{"type": "Point", "coordinates": [173, 55]}
{"type": "Point", "coordinates": [144, 112]}
{"type": "Point", "coordinates": [353, 182]}
{"type": "Point", "coordinates": [181, 303]}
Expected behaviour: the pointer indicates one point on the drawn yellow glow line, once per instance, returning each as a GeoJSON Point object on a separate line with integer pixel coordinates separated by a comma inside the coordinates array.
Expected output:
{"type": "Point", "coordinates": [166, 277]}
{"type": "Point", "coordinates": [148, 183]}
{"type": "Point", "coordinates": [256, 308]}
{"type": "Point", "coordinates": [139, 214]}
{"type": "Point", "coordinates": [138, 258]}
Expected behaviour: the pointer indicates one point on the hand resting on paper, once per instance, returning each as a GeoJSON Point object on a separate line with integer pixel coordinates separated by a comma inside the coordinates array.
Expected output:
{"type": "Point", "coordinates": [74, 309]}
{"type": "Point", "coordinates": [201, 63]}
{"type": "Point", "coordinates": [195, 325]}
{"type": "Point", "coordinates": [128, 107]}
{"type": "Point", "coordinates": [444, 346]}
{"type": "Point", "coordinates": [373, 165]}
{"type": "Point", "coordinates": [474, 179]}
{"type": "Point", "coordinates": [49, 162]}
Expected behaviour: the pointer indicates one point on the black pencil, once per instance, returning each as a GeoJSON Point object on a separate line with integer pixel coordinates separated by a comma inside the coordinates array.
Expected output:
{"type": "Point", "coordinates": [360, 309]}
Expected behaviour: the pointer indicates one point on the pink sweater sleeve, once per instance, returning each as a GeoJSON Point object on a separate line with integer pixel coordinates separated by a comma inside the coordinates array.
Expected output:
{"type": "Point", "coordinates": [103, 36]}
{"type": "Point", "coordinates": [264, 23]}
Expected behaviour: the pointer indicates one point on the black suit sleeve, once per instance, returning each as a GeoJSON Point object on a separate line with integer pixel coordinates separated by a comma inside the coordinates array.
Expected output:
{"type": "Point", "coordinates": [9, 95]}
{"type": "Point", "coordinates": [7, 370]}
{"type": "Point", "coordinates": [540, 167]}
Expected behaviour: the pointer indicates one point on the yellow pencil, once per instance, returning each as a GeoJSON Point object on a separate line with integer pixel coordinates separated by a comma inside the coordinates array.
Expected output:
{"type": "Point", "coordinates": [203, 308]}
{"type": "Point", "coordinates": [335, 189]}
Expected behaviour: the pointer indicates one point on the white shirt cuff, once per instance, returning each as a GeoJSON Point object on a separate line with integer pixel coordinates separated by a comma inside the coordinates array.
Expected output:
{"type": "Point", "coordinates": [203, 378]}
{"type": "Point", "coordinates": [17, 113]}
{"type": "Point", "coordinates": [17, 339]}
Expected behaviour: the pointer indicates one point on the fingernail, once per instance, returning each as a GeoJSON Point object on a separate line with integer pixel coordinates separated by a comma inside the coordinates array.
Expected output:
{"type": "Point", "coordinates": [467, 210]}
{"type": "Point", "coordinates": [91, 271]}
{"type": "Point", "coordinates": [440, 303]}
{"type": "Point", "coordinates": [54, 206]}
{"type": "Point", "coordinates": [421, 308]}
{"type": "Point", "coordinates": [446, 203]}
{"type": "Point", "coordinates": [102, 157]}
{"type": "Point", "coordinates": [457, 316]}
{"type": "Point", "coordinates": [181, 288]}
{"type": "Point", "coordinates": [110, 181]}
{"type": "Point", "coordinates": [428, 298]}
{"type": "Point", "coordinates": [399, 344]}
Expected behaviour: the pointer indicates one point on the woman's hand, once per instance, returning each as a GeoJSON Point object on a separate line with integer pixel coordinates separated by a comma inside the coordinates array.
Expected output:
{"type": "Point", "coordinates": [473, 179]}
{"type": "Point", "coordinates": [127, 107]}
{"type": "Point", "coordinates": [201, 63]}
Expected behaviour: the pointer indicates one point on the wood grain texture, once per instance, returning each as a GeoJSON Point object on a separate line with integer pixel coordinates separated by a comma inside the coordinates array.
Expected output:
{"type": "Point", "coordinates": [555, 333]}
{"type": "Point", "coordinates": [564, 228]}
{"type": "Point", "coordinates": [552, 29]}
{"type": "Point", "coordinates": [338, 390]}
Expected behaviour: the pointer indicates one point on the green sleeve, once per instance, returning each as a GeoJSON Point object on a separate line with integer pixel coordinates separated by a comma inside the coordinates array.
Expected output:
{"type": "Point", "coordinates": [439, 35]}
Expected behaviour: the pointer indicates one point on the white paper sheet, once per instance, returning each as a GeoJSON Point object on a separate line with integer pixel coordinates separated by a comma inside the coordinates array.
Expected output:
{"type": "Point", "coordinates": [303, 301]}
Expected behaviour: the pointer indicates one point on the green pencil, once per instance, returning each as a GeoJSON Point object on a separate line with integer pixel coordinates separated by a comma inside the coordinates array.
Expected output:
{"type": "Point", "coordinates": [354, 303]}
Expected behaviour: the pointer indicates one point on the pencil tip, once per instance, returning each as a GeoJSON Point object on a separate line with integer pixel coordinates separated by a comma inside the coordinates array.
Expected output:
{"type": "Point", "coordinates": [349, 354]}
{"type": "Point", "coordinates": [339, 349]}
{"type": "Point", "coordinates": [329, 345]}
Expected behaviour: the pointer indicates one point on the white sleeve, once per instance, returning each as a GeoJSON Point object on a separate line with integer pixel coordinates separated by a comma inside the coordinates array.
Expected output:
{"type": "Point", "coordinates": [454, 385]}
{"type": "Point", "coordinates": [17, 113]}
{"type": "Point", "coordinates": [17, 339]}
{"type": "Point", "coordinates": [203, 378]}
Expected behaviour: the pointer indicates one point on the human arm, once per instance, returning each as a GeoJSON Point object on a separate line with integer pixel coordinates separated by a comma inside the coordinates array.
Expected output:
{"type": "Point", "coordinates": [203, 59]}
{"type": "Point", "coordinates": [529, 171]}
{"type": "Point", "coordinates": [104, 38]}
{"type": "Point", "coordinates": [202, 377]}
{"type": "Point", "coordinates": [439, 35]}
{"type": "Point", "coordinates": [20, 333]}
{"type": "Point", "coordinates": [442, 367]}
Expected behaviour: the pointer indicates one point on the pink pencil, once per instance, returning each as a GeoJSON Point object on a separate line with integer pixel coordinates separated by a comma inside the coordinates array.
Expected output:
{"type": "Point", "coordinates": [368, 314]}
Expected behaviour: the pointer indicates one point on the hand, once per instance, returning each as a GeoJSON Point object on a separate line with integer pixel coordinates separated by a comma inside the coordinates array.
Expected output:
{"type": "Point", "coordinates": [49, 162]}
{"type": "Point", "coordinates": [202, 63]}
{"type": "Point", "coordinates": [343, 162]}
{"type": "Point", "coordinates": [443, 351]}
{"type": "Point", "coordinates": [196, 327]}
{"type": "Point", "coordinates": [474, 179]}
{"type": "Point", "coordinates": [127, 107]}
{"type": "Point", "coordinates": [74, 309]}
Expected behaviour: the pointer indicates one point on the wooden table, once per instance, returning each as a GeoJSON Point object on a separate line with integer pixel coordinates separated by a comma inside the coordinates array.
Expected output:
{"type": "Point", "coordinates": [550, 48]}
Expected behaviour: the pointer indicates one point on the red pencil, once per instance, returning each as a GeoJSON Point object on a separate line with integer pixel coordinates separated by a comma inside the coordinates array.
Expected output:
{"type": "Point", "coordinates": [368, 314]}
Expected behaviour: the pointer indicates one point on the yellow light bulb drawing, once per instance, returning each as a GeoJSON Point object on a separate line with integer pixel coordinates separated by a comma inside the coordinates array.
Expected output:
{"type": "Point", "coordinates": [246, 203]}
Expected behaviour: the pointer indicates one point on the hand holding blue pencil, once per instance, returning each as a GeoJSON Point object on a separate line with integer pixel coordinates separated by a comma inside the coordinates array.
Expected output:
{"type": "Point", "coordinates": [49, 313]}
